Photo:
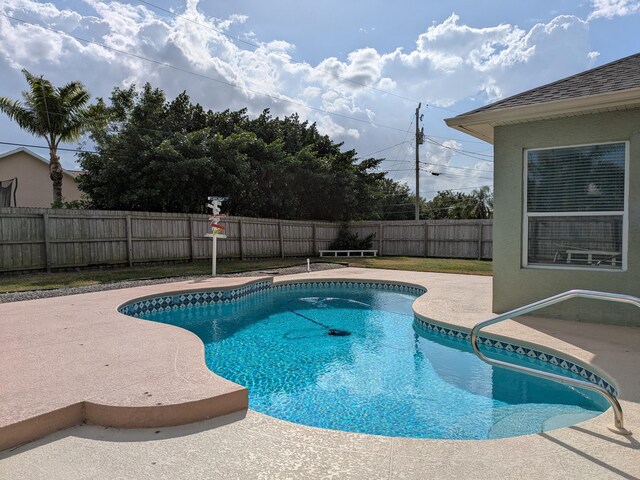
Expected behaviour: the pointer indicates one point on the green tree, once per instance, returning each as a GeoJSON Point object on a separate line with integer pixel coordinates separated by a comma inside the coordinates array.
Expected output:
{"type": "Point", "coordinates": [57, 114]}
{"type": "Point", "coordinates": [160, 155]}
{"type": "Point", "coordinates": [458, 206]}
{"type": "Point", "coordinates": [446, 204]}
{"type": "Point", "coordinates": [394, 201]}
{"type": "Point", "coordinates": [480, 203]}
{"type": "Point", "coordinates": [150, 155]}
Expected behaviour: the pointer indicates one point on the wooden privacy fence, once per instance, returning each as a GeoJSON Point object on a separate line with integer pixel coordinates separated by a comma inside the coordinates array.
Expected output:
{"type": "Point", "coordinates": [45, 239]}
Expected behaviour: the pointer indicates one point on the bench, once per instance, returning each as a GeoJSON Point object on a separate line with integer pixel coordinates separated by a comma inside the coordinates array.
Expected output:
{"type": "Point", "coordinates": [586, 256]}
{"type": "Point", "coordinates": [349, 253]}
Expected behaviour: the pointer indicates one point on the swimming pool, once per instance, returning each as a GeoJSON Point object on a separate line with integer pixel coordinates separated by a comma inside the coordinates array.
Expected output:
{"type": "Point", "coordinates": [352, 357]}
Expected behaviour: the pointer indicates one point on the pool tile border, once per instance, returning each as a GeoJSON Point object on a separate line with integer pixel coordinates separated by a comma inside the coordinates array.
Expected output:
{"type": "Point", "coordinates": [394, 287]}
{"type": "Point", "coordinates": [211, 297]}
{"type": "Point", "coordinates": [558, 363]}
{"type": "Point", "coordinates": [161, 303]}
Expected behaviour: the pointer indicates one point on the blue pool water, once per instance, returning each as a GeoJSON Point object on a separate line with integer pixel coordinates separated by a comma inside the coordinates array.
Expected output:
{"type": "Point", "coordinates": [353, 360]}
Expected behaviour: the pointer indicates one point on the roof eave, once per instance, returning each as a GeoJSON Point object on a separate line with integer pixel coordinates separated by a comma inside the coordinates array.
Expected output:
{"type": "Point", "coordinates": [478, 131]}
{"type": "Point", "coordinates": [481, 124]}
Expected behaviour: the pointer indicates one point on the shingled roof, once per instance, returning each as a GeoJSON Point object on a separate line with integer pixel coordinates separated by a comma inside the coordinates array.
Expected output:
{"type": "Point", "coordinates": [621, 74]}
{"type": "Point", "coordinates": [614, 86]}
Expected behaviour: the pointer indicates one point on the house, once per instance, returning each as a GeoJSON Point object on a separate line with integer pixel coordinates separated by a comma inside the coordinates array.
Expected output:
{"type": "Point", "coordinates": [567, 191]}
{"type": "Point", "coordinates": [31, 186]}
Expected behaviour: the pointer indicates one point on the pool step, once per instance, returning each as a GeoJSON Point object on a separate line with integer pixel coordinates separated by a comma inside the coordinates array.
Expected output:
{"type": "Point", "coordinates": [537, 418]}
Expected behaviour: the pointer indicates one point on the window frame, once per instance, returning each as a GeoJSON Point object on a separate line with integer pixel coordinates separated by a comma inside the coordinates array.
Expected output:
{"type": "Point", "coordinates": [526, 215]}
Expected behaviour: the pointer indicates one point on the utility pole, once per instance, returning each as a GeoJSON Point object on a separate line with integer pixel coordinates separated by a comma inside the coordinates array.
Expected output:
{"type": "Point", "coordinates": [419, 141]}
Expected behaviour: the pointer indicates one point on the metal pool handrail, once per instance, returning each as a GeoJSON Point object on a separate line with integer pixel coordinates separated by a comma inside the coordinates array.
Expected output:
{"type": "Point", "coordinates": [561, 297]}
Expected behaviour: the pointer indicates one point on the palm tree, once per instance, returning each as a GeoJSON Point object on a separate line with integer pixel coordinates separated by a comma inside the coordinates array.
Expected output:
{"type": "Point", "coordinates": [55, 114]}
{"type": "Point", "coordinates": [481, 203]}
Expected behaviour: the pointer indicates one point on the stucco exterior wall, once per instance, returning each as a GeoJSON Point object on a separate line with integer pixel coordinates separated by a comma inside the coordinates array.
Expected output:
{"type": "Point", "coordinates": [34, 185]}
{"type": "Point", "coordinates": [514, 285]}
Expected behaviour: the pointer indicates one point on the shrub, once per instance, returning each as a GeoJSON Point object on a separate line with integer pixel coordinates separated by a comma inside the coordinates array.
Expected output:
{"type": "Point", "coordinates": [347, 240]}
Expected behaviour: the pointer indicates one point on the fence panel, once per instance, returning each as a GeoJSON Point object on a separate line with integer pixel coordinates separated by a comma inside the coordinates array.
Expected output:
{"type": "Point", "coordinates": [459, 239]}
{"type": "Point", "coordinates": [159, 239]}
{"type": "Point", "coordinates": [261, 238]}
{"type": "Point", "coordinates": [403, 239]}
{"type": "Point", "coordinates": [325, 234]}
{"type": "Point", "coordinates": [298, 239]}
{"type": "Point", "coordinates": [86, 240]}
{"type": "Point", "coordinates": [22, 241]}
{"type": "Point", "coordinates": [39, 239]}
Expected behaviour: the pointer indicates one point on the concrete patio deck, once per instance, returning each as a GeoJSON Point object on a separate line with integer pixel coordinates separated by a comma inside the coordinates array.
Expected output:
{"type": "Point", "coordinates": [71, 359]}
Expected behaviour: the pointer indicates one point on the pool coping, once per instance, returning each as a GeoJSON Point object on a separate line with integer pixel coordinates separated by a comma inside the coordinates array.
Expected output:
{"type": "Point", "coordinates": [192, 392]}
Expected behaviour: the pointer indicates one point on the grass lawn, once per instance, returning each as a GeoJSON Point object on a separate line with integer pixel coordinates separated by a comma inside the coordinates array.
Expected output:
{"type": "Point", "coordinates": [419, 264]}
{"type": "Point", "coordinates": [48, 281]}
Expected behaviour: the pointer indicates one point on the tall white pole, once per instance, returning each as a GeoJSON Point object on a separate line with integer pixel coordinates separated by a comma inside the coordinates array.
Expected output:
{"type": "Point", "coordinates": [214, 218]}
{"type": "Point", "coordinates": [214, 254]}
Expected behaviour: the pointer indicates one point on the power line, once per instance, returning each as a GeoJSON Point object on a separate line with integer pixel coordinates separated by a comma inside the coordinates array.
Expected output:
{"type": "Point", "coordinates": [438, 209]}
{"type": "Point", "coordinates": [255, 45]}
{"type": "Point", "coordinates": [410, 203]}
{"type": "Point", "coordinates": [458, 139]}
{"type": "Point", "coordinates": [462, 174]}
{"type": "Point", "coordinates": [456, 189]}
{"type": "Point", "coordinates": [452, 166]}
{"type": "Point", "coordinates": [170, 132]}
{"type": "Point", "coordinates": [206, 77]}
{"type": "Point", "coordinates": [79, 150]}
{"type": "Point", "coordinates": [404, 140]}
{"type": "Point", "coordinates": [445, 173]}
{"type": "Point", "coordinates": [47, 147]}
{"type": "Point", "coordinates": [107, 117]}
{"type": "Point", "coordinates": [462, 152]}
{"type": "Point", "coordinates": [76, 150]}
{"type": "Point", "coordinates": [442, 108]}
{"type": "Point", "coordinates": [383, 149]}
{"type": "Point", "coordinates": [397, 169]}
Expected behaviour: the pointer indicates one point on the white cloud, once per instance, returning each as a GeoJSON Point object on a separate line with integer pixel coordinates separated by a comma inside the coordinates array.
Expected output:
{"type": "Point", "coordinates": [353, 133]}
{"type": "Point", "coordinates": [312, 92]}
{"type": "Point", "coordinates": [613, 8]}
{"type": "Point", "coordinates": [229, 22]}
{"type": "Point", "coordinates": [449, 45]}
{"type": "Point", "coordinates": [387, 84]}
{"type": "Point", "coordinates": [450, 62]}
{"type": "Point", "coordinates": [23, 41]}
{"type": "Point", "coordinates": [362, 68]}
{"type": "Point", "coordinates": [453, 61]}
{"type": "Point", "coordinates": [330, 127]}
{"type": "Point", "coordinates": [441, 155]}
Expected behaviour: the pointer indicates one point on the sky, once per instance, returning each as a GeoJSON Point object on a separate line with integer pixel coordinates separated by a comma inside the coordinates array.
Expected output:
{"type": "Point", "coordinates": [357, 69]}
